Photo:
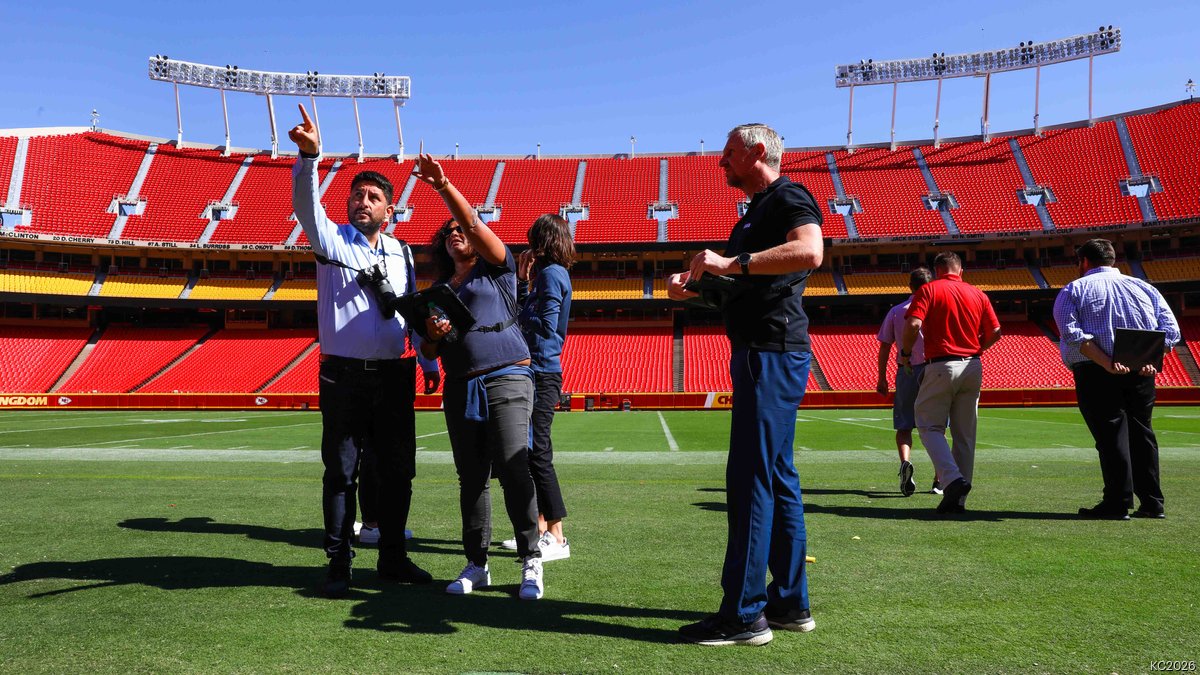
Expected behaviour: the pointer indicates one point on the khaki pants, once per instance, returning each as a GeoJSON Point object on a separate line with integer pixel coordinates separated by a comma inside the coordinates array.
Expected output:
{"type": "Point", "coordinates": [950, 392]}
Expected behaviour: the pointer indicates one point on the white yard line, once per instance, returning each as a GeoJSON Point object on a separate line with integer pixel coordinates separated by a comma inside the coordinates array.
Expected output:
{"type": "Point", "coordinates": [436, 433]}
{"type": "Point", "coordinates": [667, 431]}
{"type": "Point", "coordinates": [201, 433]}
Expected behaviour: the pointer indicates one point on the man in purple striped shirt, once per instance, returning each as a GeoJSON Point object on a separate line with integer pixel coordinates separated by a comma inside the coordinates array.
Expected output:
{"type": "Point", "coordinates": [1116, 403]}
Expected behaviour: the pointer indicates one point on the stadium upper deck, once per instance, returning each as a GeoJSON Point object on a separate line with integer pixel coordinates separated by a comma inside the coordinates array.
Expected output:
{"type": "Point", "coordinates": [1130, 169]}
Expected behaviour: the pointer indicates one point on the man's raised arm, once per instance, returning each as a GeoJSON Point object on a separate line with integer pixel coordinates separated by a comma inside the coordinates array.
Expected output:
{"type": "Point", "coordinates": [306, 199]}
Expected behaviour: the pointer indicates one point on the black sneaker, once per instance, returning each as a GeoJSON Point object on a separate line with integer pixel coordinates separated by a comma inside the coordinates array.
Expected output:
{"type": "Point", "coordinates": [937, 487]}
{"type": "Point", "coordinates": [907, 485]}
{"type": "Point", "coordinates": [798, 620]}
{"type": "Point", "coordinates": [950, 496]}
{"type": "Point", "coordinates": [337, 579]}
{"type": "Point", "coordinates": [1144, 512]}
{"type": "Point", "coordinates": [1104, 511]}
{"type": "Point", "coordinates": [404, 571]}
{"type": "Point", "coordinates": [716, 631]}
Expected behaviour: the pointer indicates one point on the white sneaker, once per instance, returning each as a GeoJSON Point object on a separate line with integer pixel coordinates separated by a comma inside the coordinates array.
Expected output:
{"type": "Point", "coordinates": [368, 535]}
{"type": "Point", "coordinates": [509, 544]}
{"type": "Point", "coordinates": [472, 577]}
{"type": "Point", "coordinates": [531, 579]}
{"type": "Point", "coordinates": [552, 550]}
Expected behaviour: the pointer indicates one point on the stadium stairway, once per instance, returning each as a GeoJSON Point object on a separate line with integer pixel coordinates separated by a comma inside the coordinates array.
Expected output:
{"type": "Point", "coordinates": [184, 355]}
{"type": "Point", "coordinates": [79, 359]}
{"type": "Point", "coordinates": [819, 375]}
{"type": "Point", "coordinates": [286, 369]}
{"type": "Point", "coordinates": [677, 356]}
{"type": "Point", "coordinates": [1188, 359]}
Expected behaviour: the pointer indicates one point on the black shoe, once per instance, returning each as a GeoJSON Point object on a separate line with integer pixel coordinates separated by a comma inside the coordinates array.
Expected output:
{"type": "Point", "coordinates": [907, 485]}
{"type": "Point", "coordinates": [937, 487]}
{"type": "Point", "coordinates": [1144, 512]}
{"type": "Point", "coordinates": [798, 620]}
{"type": "Point", "coordinates": [404, 571]}
{"type": "Point", "coordinates": [715, 631]}
{"type": "Point", "coordinates": [1104, 511]}
{"type": "Point", "coordinates": [952, 494]}
{"type": "Point", "coordinates": [337, 579]}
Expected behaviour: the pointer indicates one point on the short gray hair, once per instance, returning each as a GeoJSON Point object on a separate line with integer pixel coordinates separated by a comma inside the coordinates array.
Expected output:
{"type": "Point", "coordinates": [755, 133]}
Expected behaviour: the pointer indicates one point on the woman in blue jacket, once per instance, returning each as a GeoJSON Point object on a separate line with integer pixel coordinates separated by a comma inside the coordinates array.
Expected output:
{"type": "Point", "coordinates": [542, 271]}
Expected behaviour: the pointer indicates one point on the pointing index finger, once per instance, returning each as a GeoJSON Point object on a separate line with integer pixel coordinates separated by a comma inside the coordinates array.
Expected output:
{"type": "Point", "coordinates": [304, 114]}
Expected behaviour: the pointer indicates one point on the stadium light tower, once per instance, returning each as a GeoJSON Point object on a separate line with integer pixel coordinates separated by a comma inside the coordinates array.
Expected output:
{"type": "Point", "coordinates": [632, 146]}
{"type": "Point", "coordinates": [268, 84]}
{"type": "Point", "coordinates": [1105, 40]}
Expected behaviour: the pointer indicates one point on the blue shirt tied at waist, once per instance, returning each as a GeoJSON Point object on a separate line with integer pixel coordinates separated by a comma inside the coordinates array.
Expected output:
{"type": "Point", "coordinates": [476, 395]}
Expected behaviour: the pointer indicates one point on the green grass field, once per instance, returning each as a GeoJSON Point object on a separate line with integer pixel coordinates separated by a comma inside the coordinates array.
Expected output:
{"type": "Point", "coordinates": [189, 541]}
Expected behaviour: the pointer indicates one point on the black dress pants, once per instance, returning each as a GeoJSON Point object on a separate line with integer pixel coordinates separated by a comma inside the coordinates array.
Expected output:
{"type": "Point", "coordinates": [367, 410]}
{"type": "Point", "coordinates": [547, 390]}
{"type": "Point", "coordinates": [1117, 409]}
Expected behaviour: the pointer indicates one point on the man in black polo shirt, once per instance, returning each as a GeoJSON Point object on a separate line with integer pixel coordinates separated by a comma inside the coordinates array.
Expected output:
{"type": "Point", "coordinates": [771, 250]}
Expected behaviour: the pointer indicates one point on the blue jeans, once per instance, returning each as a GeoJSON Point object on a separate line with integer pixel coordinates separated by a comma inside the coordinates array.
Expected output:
{"type": "Point", "coordinates": [766, 515]}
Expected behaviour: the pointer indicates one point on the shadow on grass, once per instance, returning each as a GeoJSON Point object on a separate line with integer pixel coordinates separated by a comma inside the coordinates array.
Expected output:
{"type": "Point", "coordinates": [305, 538]}
{"type": "Point", "coordinates": [375, 605]}
{"type": "Point", "coordinates": [929, 513]}
{"type": "Point", "coordinates": [924, 512]}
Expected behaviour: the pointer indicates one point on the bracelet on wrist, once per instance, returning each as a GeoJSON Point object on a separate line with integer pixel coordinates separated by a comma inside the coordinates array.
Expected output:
{"type": "Point", "coordinates": [441, 187]}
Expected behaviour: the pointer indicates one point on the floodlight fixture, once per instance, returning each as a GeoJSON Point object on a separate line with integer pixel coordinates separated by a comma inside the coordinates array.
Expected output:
{"type": "Point", "coordinates": [1106, 40]}
{"type": "Point", "coordinates": [310, 83]}
{"type": "Point", "coordinates": [939, 66]}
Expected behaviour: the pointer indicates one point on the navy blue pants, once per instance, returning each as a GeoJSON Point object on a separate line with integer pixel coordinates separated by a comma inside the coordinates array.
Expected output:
{"type": "Point", "coordinates": [766, 515]}
{"type": "Point", "coordinates": [371, 412]}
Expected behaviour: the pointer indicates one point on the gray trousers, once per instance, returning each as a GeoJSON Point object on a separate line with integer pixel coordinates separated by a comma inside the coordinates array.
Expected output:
{"type": "Point", "coordinates": [950, 391]}
{"type": "Point", "coordinates": [502, 441]}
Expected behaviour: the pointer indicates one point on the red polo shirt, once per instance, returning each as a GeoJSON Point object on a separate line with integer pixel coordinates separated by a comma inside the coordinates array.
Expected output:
{"type": "Point", "coordinates": [953, 314]}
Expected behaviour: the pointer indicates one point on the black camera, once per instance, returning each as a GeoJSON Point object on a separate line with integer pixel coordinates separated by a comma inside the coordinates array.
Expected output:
{"type": "Point", "coordinates": [376, 279]}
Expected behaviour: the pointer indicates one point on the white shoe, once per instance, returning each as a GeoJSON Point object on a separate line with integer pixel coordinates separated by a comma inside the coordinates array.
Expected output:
{"type": "Point", "coordinates": [368, 535]}
{"type": "Point", "coordinates": [552, 550]}
{"type": "Point", "coordinates": [531, 579]}
{"type": "Point", "coordinates": [509, 544]}
{"type": "Point", "coordinates": [472, 577]}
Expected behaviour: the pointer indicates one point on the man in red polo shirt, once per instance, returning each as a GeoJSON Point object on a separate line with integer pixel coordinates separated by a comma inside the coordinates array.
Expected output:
{"type": "Point", "coordinates": [958, 323]}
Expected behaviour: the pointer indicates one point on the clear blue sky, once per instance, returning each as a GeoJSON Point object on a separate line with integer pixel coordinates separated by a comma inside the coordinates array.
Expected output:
{"type": "Point", "coordinates": [579, 78]}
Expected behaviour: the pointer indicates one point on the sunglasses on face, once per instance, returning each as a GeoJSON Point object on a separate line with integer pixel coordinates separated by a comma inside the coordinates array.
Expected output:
{"type": "Point", "coordinates": [456, 228]}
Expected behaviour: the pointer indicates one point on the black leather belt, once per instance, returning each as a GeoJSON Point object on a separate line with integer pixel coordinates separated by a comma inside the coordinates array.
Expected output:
{"type": "Point", "coordinates": [943, 359]}
{"type": "Point", "coordinates": [360, 364]}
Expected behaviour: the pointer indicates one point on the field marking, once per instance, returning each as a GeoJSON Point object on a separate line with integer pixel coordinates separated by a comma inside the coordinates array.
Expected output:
{"type": "Point", "coordinates": [1080, 424]}
{"type": "Point", "coordinates": [436, 433]}
{"type": "Point", "coordinates": [200, 433]}
{"type": "Point", "coordinates": [843, 421]}
{"type": "Point", "coordinates": [667, 430]}
{"type": "Point", "coordinates": [610, 458]}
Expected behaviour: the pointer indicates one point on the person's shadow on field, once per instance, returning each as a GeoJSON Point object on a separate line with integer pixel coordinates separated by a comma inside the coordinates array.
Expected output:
{"type": "Point", "coordinates": [915, 509]}
{"type": "Point", "coordinates": [375, 605]}
{"type": "Point", "coordinates": [304, 538]}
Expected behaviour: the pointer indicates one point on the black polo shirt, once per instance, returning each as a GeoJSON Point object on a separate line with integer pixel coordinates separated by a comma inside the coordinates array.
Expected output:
{"type": "Point", "coordinates": [759, 318]}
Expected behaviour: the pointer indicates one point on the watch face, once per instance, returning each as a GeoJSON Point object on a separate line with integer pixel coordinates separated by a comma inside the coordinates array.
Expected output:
{"type": "Point", "coordinates": [743, 259]}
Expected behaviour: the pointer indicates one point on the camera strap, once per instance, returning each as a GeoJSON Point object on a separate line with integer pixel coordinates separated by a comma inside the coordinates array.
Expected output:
{"type": "Point", "coordinates": [494, 328]}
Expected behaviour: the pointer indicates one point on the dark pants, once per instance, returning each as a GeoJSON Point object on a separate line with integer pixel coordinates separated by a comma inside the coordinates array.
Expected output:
{"type": "Point", "coordinates": [501, 441]}
{"type": "Point", "coordinates": [372, 411]}
{"type": "Point", "coordinates": [1117, 409]}
{"type": "Point", "coordinates": [368, 487]}
{"type": "Point", "coordinates": [766, 515]}
{"type": "Point", "coordinates": [547, 390]}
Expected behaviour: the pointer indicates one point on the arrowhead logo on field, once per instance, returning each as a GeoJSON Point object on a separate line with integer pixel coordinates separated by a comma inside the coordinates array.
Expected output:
{"type": "Point", "coordinates": [260, 400]}
{"type": "Point", "coordinates": [63, 400]}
